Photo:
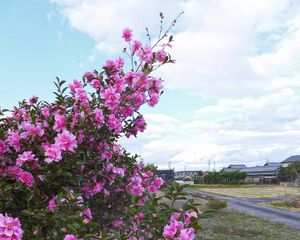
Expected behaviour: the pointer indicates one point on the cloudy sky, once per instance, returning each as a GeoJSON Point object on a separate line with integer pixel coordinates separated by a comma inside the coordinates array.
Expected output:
{"type": "Point", "coordinates": [232, 97]}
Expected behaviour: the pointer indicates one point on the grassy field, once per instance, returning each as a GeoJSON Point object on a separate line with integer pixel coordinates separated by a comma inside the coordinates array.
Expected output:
{"type": "Point", "coordinates": [250, 191]}
{"type": "Point", "coordinates": [232, 226]}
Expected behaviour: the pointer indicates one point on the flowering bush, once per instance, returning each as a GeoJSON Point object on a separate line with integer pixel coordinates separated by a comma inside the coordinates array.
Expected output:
{"type": "Point", "coordinates": [63, 174]}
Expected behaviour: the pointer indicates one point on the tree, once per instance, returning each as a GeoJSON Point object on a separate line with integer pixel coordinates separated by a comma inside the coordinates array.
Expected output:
{"type": "Point", "coordinates": [63, 173]}
{"type": "Point", "coordinates": [289, 173]}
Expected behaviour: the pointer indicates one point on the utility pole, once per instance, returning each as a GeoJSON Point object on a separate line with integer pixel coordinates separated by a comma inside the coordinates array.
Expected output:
{"type": "Point", "coordinates": [214, 166]}
{"type": "Point", "coordinates": [170, 165]}
{"type": "Point", "coordinates": [209, 161]}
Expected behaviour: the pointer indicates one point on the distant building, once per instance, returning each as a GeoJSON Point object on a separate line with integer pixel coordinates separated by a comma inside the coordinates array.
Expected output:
{"type": "Point", "coordinates": [183, 174]}
{"type": "Point", "coordinates": [233, 168]}
{"type": "Point", "coordinates": [265, 174]}
{"type": "Point", "coordinates": [291, 159]}
{"type": "Point", "coordinates": [272, 164]}
{"type": "Point", "coordinates": [166, 175]}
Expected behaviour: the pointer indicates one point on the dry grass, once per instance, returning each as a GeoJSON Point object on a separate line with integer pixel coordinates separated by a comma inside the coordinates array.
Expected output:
{"type": "Point", "coordinates": [258, 191]}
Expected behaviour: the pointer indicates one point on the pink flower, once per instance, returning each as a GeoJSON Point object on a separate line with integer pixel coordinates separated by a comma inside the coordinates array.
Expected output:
{"type": "Point", "coordinates": [148, 174]}
{"type": "Point", "coordinates": [141, 215]}
{"type": "Point", "coordinates": [60, 123]}
{"type": "Point", "coordinates": [175, 216]}
{"type": "Point", "coordinates": [136, 45]}
{"type": "Point", "coordinates": [89, 76]}
{"type": "Point", "coordinates": [3, 147]}
{"type": "Point", "coordinates": [13, 139]}
{"type": "Point", "coordinates": [119, 62]}
{"type": "Point", "coordinates": [70, 237]}
{"type": "Point", "coordinates": [137, 190]}
{"type": "Point", "coordinates": [98, 187]}
{"type": "Point", "coordinates": [96, 83]}
{"type": "Point", "coordinates": [33, 100]}
{"type": "Point", "coordinates": [88, 215]}
{"type": "Point", "coordinates": [27, 178]}
{"type": "Point", "coordinates": [158, 182]}
{"type": "Point", "coordinates": [45, 112]}
{"type": "Point", "coordinates": [51, 205]}
{"type": "Point", "coordinates": [118, 223]}
{"type": "Point", "coordinates": [52, 153]}
{"type": "Point", "coordinates": [145, 54]}
{"type": "Point", "coordinates": [120, 172]}
{"type": "Point", "coordinates": [66, 141]}
{"type": "Point", "coordinates": [111, 66]}
{"type": "Point", "coordinates": [154, 86]}
{"type": "Point", "coordinates": [153, 100]}
{"type": "Point", "coordinates": [75, 85]}
{"type": "Point", "coordinates": [187, 234]}
{"type": "Point", "coordinates": [25, 157]}
{"type": "Point", "coordinates": [127, 34]}
{"type": "Point", "coordinates": [152, 189]}
{"type": "Point", "coordinates": [170, 231]}
{"type": "Point", "coordinates": [98, 119]}
{"type": "Point", "coordinates": [143, 200]}
{"type": "Point", "coordinates": [31, 130]}
{"type": "Point", "coordinates": [14, 171]}
{"type": "Point", "coordinates": [160, 56]}
{"type": "Point", "coordinates": [188, 216]}
{"type": "Point", "coordinates": [114, 124]}
{"type": "Point", "coordinates": [111, 97]}
{"type": "Point", "coordinates": [10, 228]}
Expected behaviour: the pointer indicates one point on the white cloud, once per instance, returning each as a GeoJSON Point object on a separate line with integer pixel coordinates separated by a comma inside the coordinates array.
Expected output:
{"type": "Point", "coordinates": [247, 130]}
{"type": "Point", "coordinates": [245, 53]}
{"type": "Point", "coordinates": [223, 48]}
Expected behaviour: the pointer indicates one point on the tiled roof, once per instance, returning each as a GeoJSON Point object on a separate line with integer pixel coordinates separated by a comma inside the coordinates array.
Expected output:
{"type": "Point", "coordinates": [274, 164]}
{"type": "Point", "coordinates": [295, 158]}
{"type": "Point", "coordinates": [228, 170]}
{"type": "Point", "coordinates": [238, 166]}
{"type": "Point", "coordinates": [260, 170]}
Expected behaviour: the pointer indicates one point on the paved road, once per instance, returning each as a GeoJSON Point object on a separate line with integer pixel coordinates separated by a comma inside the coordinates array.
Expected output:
{"type": "Point", "coordinates": [251, 206]}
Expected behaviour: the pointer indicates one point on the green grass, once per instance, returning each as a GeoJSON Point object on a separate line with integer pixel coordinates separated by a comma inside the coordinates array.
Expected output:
{"type": "Point", "coordinates": [218, 186]}
{"type": "Point", "coordinates": [227, 225]}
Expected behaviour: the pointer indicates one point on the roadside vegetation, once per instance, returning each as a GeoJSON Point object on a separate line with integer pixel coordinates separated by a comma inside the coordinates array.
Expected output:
{"type": "Point", "coordinates": [216, 204]}
{"type": "Point", "coordinates": [224, 178]}
{"type": "Point", "coordinates": [289, 204]}
{"type": "Point", "coordinates": [232, 225]}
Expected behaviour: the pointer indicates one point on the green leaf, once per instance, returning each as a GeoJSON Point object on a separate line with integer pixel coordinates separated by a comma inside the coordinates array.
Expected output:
{"type": "Point", "coordinates": [27, 212]}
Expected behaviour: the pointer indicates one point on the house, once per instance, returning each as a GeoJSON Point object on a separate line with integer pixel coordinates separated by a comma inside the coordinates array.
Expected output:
{"type": "Point", "coordinates": [166, 175]}
{"type": "Point", "coordinates": [265, 174]}
{"type": "Point", "coordinates": [291, 159]}
{"type": "Point", "coordinates": [272, 164]}
{"type": "Point", "coordinates": [233, 168]}
{"type": "Point", "coordinates": [184, 174]}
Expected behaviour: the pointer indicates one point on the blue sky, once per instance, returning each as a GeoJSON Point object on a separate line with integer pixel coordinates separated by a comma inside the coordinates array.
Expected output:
{"type": "Point", "coordinates": [232, 96]}
{"type": "Point", "coordinates": [38, 44]}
